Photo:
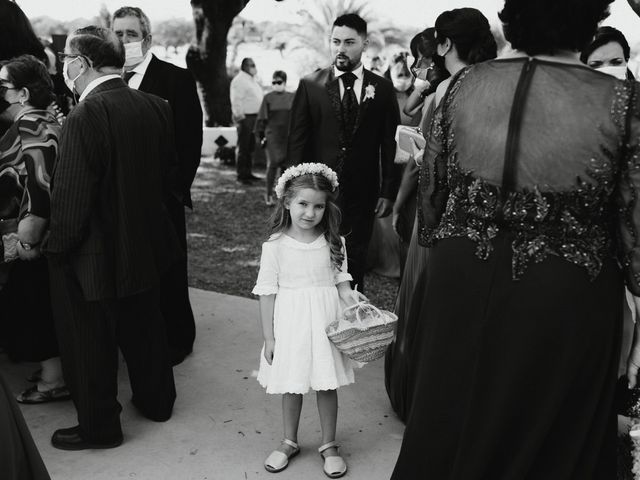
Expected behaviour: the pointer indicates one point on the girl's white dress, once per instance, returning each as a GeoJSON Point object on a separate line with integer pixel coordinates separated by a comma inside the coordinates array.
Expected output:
{"type": "Point", "coordinates": [301, 276]}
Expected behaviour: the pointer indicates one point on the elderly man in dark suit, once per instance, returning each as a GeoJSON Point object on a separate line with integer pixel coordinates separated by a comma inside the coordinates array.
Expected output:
{"type": "Point", "coordinates": [145, 72]}
{"type": "Point", "coordinates": [345, 116]}
{"type": "Point", "coordinates": [110, 242]}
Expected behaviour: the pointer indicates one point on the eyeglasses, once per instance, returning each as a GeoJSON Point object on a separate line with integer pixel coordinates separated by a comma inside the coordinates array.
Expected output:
{"type": "Point", "coordinates": [277, 82]}
{"type": "Point", "coordinates": [4, 87]}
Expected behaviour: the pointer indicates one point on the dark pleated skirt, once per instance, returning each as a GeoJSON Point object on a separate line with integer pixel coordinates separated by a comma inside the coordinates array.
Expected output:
{"type": "Point", "coordinates": [513, 379]}
{"type": "Point", "coordinates": [399, 355]}
{"type": "Point", "coordinates": [19, 457]}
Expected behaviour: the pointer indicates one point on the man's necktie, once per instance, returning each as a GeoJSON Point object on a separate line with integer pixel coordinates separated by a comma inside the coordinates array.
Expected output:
{"type": "Point", "coordinates": [349, 103]}
{"type": "Point", "coordinates": [126, 76]}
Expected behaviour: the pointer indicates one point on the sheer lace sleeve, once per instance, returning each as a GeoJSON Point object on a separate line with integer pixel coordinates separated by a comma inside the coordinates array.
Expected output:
{"type": "Point", "coordinates": [433, 189]}
{"type": "Point", "coordinates": [629, 189]}
{"type": "Point", "coordinates": [267, 282]}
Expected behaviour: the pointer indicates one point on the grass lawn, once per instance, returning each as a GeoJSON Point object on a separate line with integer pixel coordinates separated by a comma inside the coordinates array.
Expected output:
{"type": "Point", "coordinates": [226, 230]}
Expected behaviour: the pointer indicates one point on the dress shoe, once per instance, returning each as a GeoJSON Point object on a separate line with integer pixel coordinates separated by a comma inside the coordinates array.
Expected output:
{"type": "Point", "coordinates": [245, 181]}
{"type": "Point", "coordinates": [71, 439]}
{"type": "Point", "coordinates": [253, 177]}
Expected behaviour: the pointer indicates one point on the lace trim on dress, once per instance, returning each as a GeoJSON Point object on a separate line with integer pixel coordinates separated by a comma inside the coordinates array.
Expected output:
{"type": "Point", "coordinates": [574, 224]}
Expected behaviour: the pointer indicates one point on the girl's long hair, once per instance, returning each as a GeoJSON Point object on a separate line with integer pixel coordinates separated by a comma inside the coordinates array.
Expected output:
{"type": "Point", "coordinates": [330, 224]}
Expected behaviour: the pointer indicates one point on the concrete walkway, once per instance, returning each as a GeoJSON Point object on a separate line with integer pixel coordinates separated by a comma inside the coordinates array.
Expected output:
{"type": "Point", "coordinates": [224, 424]}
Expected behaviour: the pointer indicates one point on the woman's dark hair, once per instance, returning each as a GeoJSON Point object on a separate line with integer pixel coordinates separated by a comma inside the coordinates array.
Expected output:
{"type": "Point", "coordinates": [470, 32]}
{"type": "Point", "coordinates": [605, 35]}
{"type": "Point", "coordinates": [546, 26]}
{"type": "Point", "coordinates": [16, 34]}
{"type": "Point", "coordinates": [282, 75]}
{"type": "Point", "coordinates": [425, 44]}
{"type": "Point", "coordinates": [26, 71]}
{"type": "Point", "coordinates": [353, 21]}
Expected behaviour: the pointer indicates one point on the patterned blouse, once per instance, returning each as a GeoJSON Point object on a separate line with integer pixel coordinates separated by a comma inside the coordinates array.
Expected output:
{"type": "Point", "coordinates": [28, 152]}
{"type": "Point", "coordinates": [548, 153]}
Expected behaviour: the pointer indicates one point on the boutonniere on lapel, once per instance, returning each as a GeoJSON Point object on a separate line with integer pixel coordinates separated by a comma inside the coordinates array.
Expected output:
{"type": "Point", "coordinates": [369, 92]}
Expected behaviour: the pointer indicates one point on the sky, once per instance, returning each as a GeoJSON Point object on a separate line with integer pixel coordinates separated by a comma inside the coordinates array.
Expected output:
{"type": "Point", "coordinates": [416, 14]}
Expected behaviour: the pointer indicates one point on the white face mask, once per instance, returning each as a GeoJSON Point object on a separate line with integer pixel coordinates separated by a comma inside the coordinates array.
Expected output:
{"type": "Point", "coordinates": [619, 72]}
{"type": "Point", "coordinates": [71, 83]}
{"type": "Point", "coordinates": [402, 84]}
{"type": "Point", "coordinates": [420, 84]}
{"type": "Point", "coordinates": [278, 88]}
{"type": "Point", "coordinates": [133, 54]}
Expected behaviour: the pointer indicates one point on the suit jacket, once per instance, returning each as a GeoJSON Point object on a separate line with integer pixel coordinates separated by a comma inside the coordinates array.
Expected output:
{"type": "Point", "coordinates": [177, 86]}
{"type": "Point", "coordinates": [316, 134]}
{"type": "Point", "coordinates": [108, 220]}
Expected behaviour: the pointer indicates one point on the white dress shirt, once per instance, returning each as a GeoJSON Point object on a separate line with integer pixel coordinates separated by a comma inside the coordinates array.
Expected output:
{"type": "Point", "coordinates": [94, 83]}
{"type": "Point", "coordinates": [246, 95]}
{"type": "Point", "coordinates": [357, 85]}
{"type": "Point", "coordinates": [139, 71]}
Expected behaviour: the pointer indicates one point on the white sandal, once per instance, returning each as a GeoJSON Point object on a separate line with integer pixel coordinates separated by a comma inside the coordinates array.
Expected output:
{"type": "Point", "coordinates": [278, 461]}
{"type": "Point", "coordinates": [335, 466]}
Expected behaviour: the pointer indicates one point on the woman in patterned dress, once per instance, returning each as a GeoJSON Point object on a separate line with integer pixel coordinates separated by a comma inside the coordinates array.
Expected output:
{"type": "Point", "coordinates": [28, 152]}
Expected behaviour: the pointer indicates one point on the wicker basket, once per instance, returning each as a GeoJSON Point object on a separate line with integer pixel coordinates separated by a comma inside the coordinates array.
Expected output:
{"type": "Point", "coordinates": [364, 332]}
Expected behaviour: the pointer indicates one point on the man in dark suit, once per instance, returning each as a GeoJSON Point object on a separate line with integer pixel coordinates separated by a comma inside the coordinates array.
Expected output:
{"type": "Point", "coordinates": [145, 72]}
{"type": "Point", "coordinates": [345, 116]}
{"type": "Point", "coordinates": [110, 242]}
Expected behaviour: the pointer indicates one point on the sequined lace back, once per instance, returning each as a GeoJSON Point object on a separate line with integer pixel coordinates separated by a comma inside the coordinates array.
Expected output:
{"type": "Point", "coordinates": [567, 164]}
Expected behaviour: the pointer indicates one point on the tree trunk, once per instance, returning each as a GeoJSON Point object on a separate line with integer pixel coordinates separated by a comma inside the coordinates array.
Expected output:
{"type": "Point", "coordinates": [208, 59]}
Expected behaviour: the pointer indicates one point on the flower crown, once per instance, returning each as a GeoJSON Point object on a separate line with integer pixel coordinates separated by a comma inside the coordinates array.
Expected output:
{"type": "Point", "coordinates": [305, 169]}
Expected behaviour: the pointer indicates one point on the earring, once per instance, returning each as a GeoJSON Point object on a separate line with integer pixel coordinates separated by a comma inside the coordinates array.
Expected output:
{"type": "Point", "coordinates": [22, 103]}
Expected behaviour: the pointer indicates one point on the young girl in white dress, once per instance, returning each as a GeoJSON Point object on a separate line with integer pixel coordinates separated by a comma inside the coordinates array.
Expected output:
{"type": "Point", "coordinates": [303, 276]}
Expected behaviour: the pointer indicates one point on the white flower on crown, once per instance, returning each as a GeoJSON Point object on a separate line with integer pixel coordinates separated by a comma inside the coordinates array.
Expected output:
{"type": "Point", "coordinates": [369, 92]}
{"type": "Point", "coordinates": [305, 169]}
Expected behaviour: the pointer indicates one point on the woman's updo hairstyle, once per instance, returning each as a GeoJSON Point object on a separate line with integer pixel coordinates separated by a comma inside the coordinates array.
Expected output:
{"type": "Point", "coordinates": [470, 32]}
{"type": "Point", "coordinates": [546, 26]}
{"type": "Point", "coordinates": [605, 35]}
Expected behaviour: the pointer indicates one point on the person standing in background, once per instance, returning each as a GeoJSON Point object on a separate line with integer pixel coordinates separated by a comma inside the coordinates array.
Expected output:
{"type": "Point", "coordinates": [246, 98]}
{"type": "Point", "coordinates": [272, 127]}
{"type": "Point", "coordinates": [145, 72]}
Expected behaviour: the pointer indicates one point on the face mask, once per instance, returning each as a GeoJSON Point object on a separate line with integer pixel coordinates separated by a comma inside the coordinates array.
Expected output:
{"type": "Point", "coordinates": [70, 83]}
{"type": "Point", "coordinates": [278, 88]}
{"type": "Point", "coordinates": [402, 84]}
{"type": "Point", "coordinates": [619, 72]}
{"type": "Point", "coordinates": [421, 73]}
{"type": "Point", "coordinates": [420, 84]}
{"type": "Point", "coordinates": [133, 54]}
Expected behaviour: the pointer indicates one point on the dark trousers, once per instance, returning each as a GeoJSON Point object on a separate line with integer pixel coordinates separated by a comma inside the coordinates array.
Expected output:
{"type": "Point", "coordinates": [89, 335]}
{"type": "Point", "coordinates": [246, 146]}
{"type": "Point", "coordinates": [357, 227]}
{"type": "Point", "coordinates": [174, 296]}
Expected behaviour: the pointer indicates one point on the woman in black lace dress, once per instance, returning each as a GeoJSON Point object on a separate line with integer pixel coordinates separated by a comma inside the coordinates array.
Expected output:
{"type": "Point", "coordinates": [529, 203]}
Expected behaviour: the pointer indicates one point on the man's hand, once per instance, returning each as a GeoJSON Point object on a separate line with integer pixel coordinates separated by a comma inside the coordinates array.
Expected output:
{"type": "Point", "coordinates": [384, 207]}
{"type": "Point", "coordinates": [269, 347]}
{"type": "Point", "coordinates": [395, 217]}
{"type": "Point", "coordinates": [238, 118]}
{"type": "Point", "coordinates": [30, 254]}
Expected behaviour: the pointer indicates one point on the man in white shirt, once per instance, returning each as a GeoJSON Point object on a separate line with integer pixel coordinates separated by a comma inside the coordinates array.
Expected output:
{"type": "Point", "coordinates": [246, 98]}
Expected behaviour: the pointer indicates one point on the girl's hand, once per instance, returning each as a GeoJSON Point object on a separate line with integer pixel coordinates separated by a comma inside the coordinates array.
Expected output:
{"type": "Point", "coordinates": [269, 347]}
{"type": "Point", "coordinates": [349, 297]}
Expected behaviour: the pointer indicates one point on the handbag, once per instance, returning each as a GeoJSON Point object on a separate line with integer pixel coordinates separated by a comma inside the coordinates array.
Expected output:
{"type": "Point", "coordinates": [409, 141]}
{"type": "Point", "coordinates": [363, 332]}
